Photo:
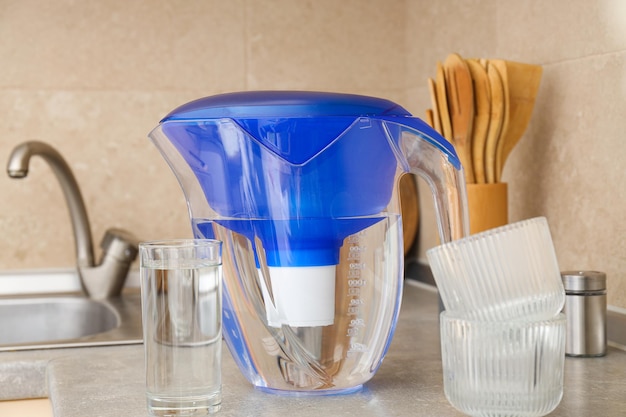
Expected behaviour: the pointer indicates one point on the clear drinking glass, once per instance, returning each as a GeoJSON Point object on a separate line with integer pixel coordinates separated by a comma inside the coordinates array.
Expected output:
{"type": "Point", "coordinates": [503, 368]}
{"type": "Point", "coordinates": [504, 273]}
{"type": "Point", "coordinates": [182, 325]}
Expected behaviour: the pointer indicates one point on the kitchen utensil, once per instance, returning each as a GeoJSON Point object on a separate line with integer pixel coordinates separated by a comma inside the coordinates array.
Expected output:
{"type": "Point", "coordinates": [461, 106]}
{"type": "Point", "coordinates": [430, 118]}
{"type": "Point", "coordinates": [442, 102]}
{"type": "Point", "coordinates": [504, 273]}
{"type": "Point", "coordinates": [498, 120]}
{"type": "Point", "coordinates": [521, 81]}
{"type": "Point", "coordinates": [410, 210]}
{"type": "Point", "coordinates": [436, 124]}
{"type": "Point", "coordinates": [302, 188]}
{"type": "Point", "coordinates": [482, 111]}
{"type": "Point", "coordinates": [503, 368]}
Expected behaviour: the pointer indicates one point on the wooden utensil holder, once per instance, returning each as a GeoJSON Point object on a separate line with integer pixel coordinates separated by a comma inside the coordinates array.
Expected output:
{"type": "Point", "coordinates": [488, 206]}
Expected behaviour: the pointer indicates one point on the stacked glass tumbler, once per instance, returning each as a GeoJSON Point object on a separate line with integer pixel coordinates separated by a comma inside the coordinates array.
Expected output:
{"type": "Point", "coordinates": [502, 331]}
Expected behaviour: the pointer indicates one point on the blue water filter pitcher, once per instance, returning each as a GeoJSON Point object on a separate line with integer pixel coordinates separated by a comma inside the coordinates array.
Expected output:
{"type": "Point", "coordinates": [302, 189]}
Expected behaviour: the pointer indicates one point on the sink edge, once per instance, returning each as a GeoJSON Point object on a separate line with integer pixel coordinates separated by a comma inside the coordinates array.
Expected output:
{"type": "Point", "coordinates": [48, 281]}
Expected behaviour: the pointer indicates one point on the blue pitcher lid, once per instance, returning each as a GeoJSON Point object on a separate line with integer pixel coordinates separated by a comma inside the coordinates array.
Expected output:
{"type": "Point", "coordinates": [267, 106]}
{"type": "Point", "coordinates": [252, 104]}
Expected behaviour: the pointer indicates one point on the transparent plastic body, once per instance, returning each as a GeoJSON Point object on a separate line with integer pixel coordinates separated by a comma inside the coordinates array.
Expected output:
{"type": "Point", "coordinates": [331, 222]}
{"type": "Point", "coordinates": [335, 358]}
{"type": "Point", "coordinates": [504, 273]}
{"type": "Point", "coordinates": [504, 368]}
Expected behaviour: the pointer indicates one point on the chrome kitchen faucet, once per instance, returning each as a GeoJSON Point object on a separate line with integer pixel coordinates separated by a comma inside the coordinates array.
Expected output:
{"type": "Point", "coordinates": [119, 247]}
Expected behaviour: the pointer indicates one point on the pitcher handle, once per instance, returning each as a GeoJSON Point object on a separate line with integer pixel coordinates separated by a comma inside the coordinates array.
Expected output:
{"type": "Point", "coordinates": [426, 153]}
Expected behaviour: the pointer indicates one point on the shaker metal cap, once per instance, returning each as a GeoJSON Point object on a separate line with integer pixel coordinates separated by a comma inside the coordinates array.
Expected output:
{"type": "Point", "coordinates": [584, 280]}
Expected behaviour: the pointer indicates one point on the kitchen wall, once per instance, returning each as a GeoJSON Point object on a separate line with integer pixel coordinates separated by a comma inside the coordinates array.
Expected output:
{"type": "Point", "coordinates": [569, 166]}
{"type": "Point", "coordinates": [93, 78]}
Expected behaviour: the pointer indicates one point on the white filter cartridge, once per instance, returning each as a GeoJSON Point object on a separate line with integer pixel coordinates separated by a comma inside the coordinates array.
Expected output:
{"type": "Point", "coordinates": [303, 296]}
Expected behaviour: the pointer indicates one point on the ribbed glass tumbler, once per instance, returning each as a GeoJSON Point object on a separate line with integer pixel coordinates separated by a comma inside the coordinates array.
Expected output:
{"type": "Point", "coordinates": [504, 273]}
{"type": "Point", "coordinates": [503, 368]}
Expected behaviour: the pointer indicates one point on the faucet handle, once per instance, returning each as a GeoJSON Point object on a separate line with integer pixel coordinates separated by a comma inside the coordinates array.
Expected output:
{"type": "Point", "coordinates": [120, 244]}
{"type": "Point", "coordinates": [119, 250]}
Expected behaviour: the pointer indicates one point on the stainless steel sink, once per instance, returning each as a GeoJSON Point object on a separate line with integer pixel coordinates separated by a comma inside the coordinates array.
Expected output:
{"type": "Point", "coordinates": [69, 321]}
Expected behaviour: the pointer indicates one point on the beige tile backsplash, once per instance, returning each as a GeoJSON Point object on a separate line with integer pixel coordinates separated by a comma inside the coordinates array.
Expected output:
{"type": "Point", "coordinates": [93, 78]}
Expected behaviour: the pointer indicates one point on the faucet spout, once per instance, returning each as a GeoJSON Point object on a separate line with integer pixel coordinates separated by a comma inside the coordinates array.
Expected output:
{"type": "Point", "coordinates": [17, 167]}
{"type": "Point", "coordinates": [105, 279]}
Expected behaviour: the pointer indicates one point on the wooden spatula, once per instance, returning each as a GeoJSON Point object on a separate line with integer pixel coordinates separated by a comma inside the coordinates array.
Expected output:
{"type": "Point", "coordinates": [442, 102]}
{"type": "Point", "coordinates": [430, 119]}
{"type": "Point", "coordinates": [461, 105]}
{"type": "Point", "coordinates": [497, 120]}
{"type": "Point", "coordinates": [482, 108]}
{"type": "Point", "coordinates": [435, 110]}
{"type": "Point", "coordinates": [522, 82]}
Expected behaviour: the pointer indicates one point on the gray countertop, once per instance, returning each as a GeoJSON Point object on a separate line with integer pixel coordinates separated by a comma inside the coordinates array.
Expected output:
{"type": "Point", "coordinates": [109, 381]}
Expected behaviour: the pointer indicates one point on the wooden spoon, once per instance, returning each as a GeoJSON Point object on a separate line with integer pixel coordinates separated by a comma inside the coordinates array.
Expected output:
{"type": "Point", "coordinates": [430, 115]}
{"type": "Point", "coordinates": [410, 210]}
{"type": "Point", "coordinates": [435, 110]}
{"type": "Point", "coordinates": [522, 83]}
{"type": "Point", "coordinates": [497, 120]}
{"type": "Point", "coordinates": [461, 105]}
{"type": "Point", "coordinates": [442, 102]}
{"type": "Point", "coordinates": [482, 107]}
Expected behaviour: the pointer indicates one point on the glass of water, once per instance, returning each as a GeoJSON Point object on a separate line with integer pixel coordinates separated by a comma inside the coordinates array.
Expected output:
{"type": "Point", "coordinates": [181, 297]}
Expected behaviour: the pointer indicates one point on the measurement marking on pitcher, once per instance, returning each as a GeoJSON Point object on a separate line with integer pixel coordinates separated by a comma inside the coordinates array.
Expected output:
{"type": "Point", "coordinates": [354, 273]}
{"type": "Point", "coordinates": [355, 283]}
{"type": "Point", "coordinates": [356, 304]}
{"type": "Point", "coordinates": [355, 252]}
{"type": "Point", "coordinates": [357, 347]}
{"type": "Point", "coordinates": [353, 307]}
{"type": "Point", "coordinates": [355, 291]}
